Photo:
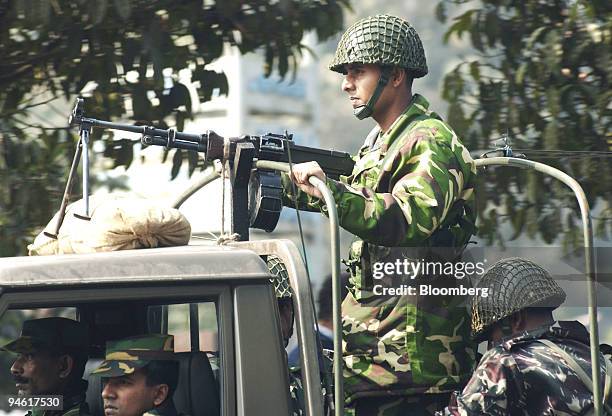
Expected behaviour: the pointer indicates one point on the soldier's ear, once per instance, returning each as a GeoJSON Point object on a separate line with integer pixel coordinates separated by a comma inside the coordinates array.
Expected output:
{"type": "Point", "coordinates": [161, 392]}
{"type": "Point", "coordinates": [66, 365]}
{"type": "Point", "coordinates": [398, 75]}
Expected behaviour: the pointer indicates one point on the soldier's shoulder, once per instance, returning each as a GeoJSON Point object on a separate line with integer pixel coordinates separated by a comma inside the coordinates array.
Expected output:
{"type": "Point", "coordinates": [429, 120]}
{"type": "Point", "coordinates": [435, 126]}
{"type": "Point", "coordinates": [497, 356]}
{"type": "Point", "coordinates": [426, 130]}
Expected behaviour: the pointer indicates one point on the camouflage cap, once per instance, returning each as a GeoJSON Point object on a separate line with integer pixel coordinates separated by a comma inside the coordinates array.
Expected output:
{"type": "Point", "coordinates": [126, 355]}
{"type": "Point", "coordinates": [382, 39]}
{"type": "Point", "coordinates": [513, 284]}
{"type": "Point", "coordinates": [54, 334]}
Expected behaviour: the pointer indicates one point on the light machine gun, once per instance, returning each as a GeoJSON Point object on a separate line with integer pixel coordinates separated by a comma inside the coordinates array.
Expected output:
{"type": "Point", "coordinates": [256, 194]}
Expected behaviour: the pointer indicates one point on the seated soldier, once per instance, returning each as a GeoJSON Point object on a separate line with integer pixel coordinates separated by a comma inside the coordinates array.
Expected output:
{"type": "Point", "coordinates": [52, 356]}
{"type": "Point", "coordinates": [535, 365]}
{"type": "Point", "coordinates": [284, 297]}
{"type": "Point", "coordinates": [139, 375]}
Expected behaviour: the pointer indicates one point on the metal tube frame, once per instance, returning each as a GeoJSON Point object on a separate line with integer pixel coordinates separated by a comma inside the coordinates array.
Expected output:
{"type": "Point", "coordinates": [336, 293]}
{"type": "Point", "coordinates": [67, 190]}
{"type": "Point", "coordinates": [589, 256]}
{"type": "Point", "coordinates": [311, 379]}
{"type": "Point", "coordinates": [335, 259]}
{"type": "Point", "coordinates": [209, 175]}
{"type": "Point", "coordinates": [85, 143]}
{"type": "Point", "coordinates": [84, 133]}
{"type": "Point", "coordinates": [290, 256]}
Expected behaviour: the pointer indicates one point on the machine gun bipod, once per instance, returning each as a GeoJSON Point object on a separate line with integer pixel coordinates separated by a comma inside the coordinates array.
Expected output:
{"type": "Point", "coordinates": [256, 193]}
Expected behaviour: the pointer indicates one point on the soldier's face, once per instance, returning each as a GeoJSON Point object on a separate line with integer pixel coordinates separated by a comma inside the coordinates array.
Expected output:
{"type": "Point", "coordinates": [129, 395]}
{"type": "Point", "coordinates": [285, 309]}
{"type": "Point", "coordinates": [360, 82]}
{"type": "Point", "coordinates": [495, 336]}
{"type": "Point", "coordinates": [38, 373]}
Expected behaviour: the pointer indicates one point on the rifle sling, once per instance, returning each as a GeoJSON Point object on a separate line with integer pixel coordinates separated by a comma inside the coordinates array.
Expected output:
{"type": "Point", "coordinates": [584, 377]}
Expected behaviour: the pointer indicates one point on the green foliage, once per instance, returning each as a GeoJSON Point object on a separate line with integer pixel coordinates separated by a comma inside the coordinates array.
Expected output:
{"type": "Point", "coordinates": [543, 74]}
{"type": "Point", "coordinates": [128, 53]}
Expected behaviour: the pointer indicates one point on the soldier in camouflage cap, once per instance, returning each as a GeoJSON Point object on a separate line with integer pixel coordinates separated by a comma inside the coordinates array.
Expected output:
{"type": "Point", "coordinates": [534, 363]}
{"type": "Point", "coordinates": [140, 375]}
{"type": "Point", "coordinates": [411, 190]}
{"type": "Point", "coordinates": [52, 356]}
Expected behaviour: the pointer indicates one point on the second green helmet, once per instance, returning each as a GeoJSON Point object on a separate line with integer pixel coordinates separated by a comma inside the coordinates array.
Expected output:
{"type": "Point", "coordinates": [382, 39]}
{"type": "Point", "coordinates": [280, 277]}
{"type": "Point", "coordinates": [513, 284]}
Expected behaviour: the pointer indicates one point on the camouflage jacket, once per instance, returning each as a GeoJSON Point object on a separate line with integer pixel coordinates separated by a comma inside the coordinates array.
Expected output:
{"type": "Point", "coordinates": [73, 404]}
{"type": "Point", "coordinates": [296, 392]}
{"type": "Point", "coordinates": [296, 388]}
{"type": "Point", "coordinates": [522, 376]}
{"type": "Point", "coordinates": [411, 190]}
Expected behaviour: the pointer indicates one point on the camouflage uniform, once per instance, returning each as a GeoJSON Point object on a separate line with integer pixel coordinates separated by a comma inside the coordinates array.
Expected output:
{"type": "Point", "coordinates": [74, 405]}
{"type": "Point", "coordinates": [537, 372]}
{"type": "Point", "coordinates": [296, 391]}
{"type": "Point", "coordinates": [411, 191]}
{"type": "Point", "coordinates": [523, 376]}
{"type": "Point", "coordinates": [129, 354]}
{"type": "Point", "coordinates": [61, 335]}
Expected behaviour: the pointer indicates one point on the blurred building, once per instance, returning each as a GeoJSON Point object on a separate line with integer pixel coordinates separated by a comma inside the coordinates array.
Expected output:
{"type": "Point", "coordinates": [254, 105]}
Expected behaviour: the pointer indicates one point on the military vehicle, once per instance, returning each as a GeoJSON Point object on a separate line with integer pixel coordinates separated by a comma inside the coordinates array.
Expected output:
{"type": "Point", "coordinates": [216, 300]}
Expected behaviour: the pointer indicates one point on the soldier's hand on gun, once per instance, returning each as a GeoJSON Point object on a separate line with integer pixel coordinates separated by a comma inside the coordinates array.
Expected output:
{"type": "Point", "coordinates": [301, 174]}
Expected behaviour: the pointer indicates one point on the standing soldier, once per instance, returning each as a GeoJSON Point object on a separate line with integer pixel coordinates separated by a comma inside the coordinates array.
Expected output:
{"type": "Point", "coordinates": [411, 190]}
{"type": "Point", "coordinates": [535, 365]}
{"type": "Point", "coordinates": [52, 357]}
{"type": "Point", "coordinates": [140, 376]}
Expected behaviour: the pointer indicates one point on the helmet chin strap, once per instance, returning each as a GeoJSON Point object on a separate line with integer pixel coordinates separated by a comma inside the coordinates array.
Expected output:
{"type": "Point", "coordinates": [366, 110]}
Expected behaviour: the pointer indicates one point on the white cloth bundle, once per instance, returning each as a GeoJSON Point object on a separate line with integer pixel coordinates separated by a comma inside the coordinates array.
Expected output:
{"type": "Point", "coordinates": [117, 223]}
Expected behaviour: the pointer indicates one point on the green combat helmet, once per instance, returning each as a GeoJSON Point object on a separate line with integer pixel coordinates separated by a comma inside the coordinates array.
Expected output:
{"type": "Point", "coordinates": [280, 278]}
{"type": "Point", "coordinates": [384, 40]}
{"type": "Point", "coordinates": [126, 355]}
{"type": "Point", "coordinates": [513, 284]}
{"type": "Point", "coordinates": [282, 290]}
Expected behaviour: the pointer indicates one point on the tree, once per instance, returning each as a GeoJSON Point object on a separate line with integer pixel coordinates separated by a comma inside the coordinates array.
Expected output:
{"type": "Point", "coordinates": [543, 75]}
{"type": "Point", "coordinates": [132, 51]}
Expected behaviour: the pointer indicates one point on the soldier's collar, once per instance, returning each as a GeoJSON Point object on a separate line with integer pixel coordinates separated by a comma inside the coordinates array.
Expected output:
{"type": "Point", "coordinates": [417, 107]}
{"type": "Point", "coordinates": [558, 329]}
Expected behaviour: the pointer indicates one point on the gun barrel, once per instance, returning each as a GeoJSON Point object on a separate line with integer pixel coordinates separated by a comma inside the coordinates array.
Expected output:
{"type": "Point", "coordinates": [148, 130]}
{"type": "Point", "coordinates": [177, 143]}
{"type": "Point", "coordinates": [334, 163]}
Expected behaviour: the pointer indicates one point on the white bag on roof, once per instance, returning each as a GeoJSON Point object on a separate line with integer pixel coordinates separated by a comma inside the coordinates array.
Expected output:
{"type": "Point", "coordinates": [117, 223]}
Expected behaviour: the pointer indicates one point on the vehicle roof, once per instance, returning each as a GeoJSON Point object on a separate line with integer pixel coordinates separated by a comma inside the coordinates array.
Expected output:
{"type": "Point", "coordinates": [142, 265]}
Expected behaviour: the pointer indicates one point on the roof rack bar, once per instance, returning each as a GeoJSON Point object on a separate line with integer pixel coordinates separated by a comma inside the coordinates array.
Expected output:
{"type": "Point", "coordinates": [589, 255]}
